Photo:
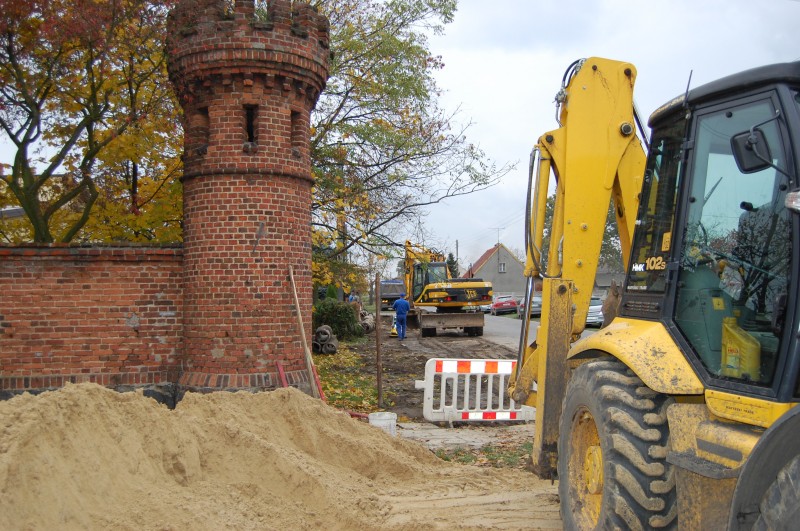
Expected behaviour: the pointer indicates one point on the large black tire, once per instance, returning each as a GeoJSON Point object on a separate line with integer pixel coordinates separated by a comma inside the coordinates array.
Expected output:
{"type": "Point", "coordinates": [427, 332]}
{"type": "Point", "coordinates": [473, 331]}
{"type": "Point", "coordinates": [612, 447]}
{"type": "Point", "coordinates": [780, 507]}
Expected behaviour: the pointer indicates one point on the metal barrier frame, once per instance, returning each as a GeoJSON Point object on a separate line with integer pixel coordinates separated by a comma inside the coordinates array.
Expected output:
{"type": "Point", "coordinates": [469, 390]}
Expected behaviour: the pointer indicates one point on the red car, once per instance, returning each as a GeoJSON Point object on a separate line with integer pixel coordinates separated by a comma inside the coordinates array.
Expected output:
{"type": "Point", "coordinates": [503, 304]}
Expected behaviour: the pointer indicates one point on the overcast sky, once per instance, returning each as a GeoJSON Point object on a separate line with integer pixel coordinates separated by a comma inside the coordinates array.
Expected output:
{"type": "Point", "coordinates": [504, 61]}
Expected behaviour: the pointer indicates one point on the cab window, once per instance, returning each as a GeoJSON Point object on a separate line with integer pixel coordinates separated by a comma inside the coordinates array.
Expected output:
{"type": "Point", "coordinates": [736, 249]}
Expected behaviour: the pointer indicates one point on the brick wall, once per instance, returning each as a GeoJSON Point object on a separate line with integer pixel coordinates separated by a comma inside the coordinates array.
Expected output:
{"type": "Point", "coordinates": [109, 315]}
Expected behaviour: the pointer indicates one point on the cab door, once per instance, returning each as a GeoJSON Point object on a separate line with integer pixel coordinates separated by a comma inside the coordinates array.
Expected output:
{"type": "Point", "coordinates": [736, 255]}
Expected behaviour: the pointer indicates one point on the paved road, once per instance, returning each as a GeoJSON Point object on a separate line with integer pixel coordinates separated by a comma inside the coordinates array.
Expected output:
{"type": "Point", "coordinates": [505, 330]}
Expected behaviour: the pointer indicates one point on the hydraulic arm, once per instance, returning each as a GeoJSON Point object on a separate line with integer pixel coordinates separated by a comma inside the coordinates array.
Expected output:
{"type": "Point", "coordinates": [595, 156]}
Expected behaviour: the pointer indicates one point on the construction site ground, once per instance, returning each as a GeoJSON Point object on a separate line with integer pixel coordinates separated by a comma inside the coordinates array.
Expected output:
{"type": "Point", "coordinates": [403, 363]}
{"type": "Point", "coordinates": [87, 457]}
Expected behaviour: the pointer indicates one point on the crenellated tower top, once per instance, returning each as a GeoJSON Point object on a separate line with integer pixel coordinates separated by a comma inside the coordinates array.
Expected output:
{"type": "Point", "coordinates": [220, 49]}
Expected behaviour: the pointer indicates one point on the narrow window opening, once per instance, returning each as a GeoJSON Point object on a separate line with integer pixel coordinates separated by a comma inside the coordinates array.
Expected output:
{"type": "Point", "coordinates": [250, 114]}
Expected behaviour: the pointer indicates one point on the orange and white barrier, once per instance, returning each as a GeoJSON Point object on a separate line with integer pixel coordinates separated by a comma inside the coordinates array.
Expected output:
{"type": "Point", "coordinates": [461, 390]}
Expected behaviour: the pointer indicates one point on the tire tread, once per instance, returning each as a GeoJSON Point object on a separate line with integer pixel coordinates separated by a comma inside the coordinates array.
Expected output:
{"type": "Point", "coordinates": [639, 490]}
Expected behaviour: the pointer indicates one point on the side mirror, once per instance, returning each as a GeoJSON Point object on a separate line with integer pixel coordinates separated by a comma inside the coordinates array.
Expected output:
{"type": "Point", "coordinates": [751, 151]}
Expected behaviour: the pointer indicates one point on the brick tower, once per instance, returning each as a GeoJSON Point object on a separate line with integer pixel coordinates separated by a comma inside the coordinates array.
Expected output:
{"type": "Point", "coordinates": [247, 86]}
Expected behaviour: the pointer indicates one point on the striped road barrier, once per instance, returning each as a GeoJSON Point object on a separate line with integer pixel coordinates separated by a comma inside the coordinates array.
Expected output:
{"type": "Point", "coordinates": [459, 390]}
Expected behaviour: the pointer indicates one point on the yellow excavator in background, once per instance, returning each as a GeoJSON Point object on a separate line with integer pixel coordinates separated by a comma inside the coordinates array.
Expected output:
{"type": "Point", "coordinates": [437, 299]}
{"type": "Point", "coordinates": [680, 411]}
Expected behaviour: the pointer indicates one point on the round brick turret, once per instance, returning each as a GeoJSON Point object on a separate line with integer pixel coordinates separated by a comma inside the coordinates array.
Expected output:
{"type": "Point", "coordinates": [247, 86]}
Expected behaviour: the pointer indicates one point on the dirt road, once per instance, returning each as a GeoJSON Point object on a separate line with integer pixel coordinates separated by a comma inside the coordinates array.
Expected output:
{"type": "Point", "coordinates": [404, 362]}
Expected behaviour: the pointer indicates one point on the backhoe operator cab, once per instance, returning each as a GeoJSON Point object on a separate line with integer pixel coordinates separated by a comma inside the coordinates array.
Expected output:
{"type": "Point", "coordinates": [425, 274]}
{"type": "Point", "coordinates": [715, 257]}
{"type": "Point", "coordinates": [680, 412]}
{"type": "Point", "coordinates": [715, 254]}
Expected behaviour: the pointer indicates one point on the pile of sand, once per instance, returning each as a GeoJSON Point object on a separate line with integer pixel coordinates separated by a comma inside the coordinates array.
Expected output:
{"type": "Point", "coordinates": [86, 457]}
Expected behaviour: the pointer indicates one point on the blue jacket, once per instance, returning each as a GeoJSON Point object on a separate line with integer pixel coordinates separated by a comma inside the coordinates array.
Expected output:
{"type": "Point", "coordinates": [401, 306]}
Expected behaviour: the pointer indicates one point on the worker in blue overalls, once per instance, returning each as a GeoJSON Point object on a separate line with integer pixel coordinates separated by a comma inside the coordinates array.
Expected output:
{"type": "Point", "coordinates": [401, 308]}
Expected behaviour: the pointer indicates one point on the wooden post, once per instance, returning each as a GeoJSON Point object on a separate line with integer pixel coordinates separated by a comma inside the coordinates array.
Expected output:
{"type": "Point", "coordinates": [309, 360]}
{"type": "Point", "coordinates": [378, 363]}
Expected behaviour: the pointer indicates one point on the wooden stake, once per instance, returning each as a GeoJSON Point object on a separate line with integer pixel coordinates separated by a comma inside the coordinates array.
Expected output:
{"type": "Point", "coordinates": [378, 363]}
{"type": "Point", "coordinates": [315, 392]}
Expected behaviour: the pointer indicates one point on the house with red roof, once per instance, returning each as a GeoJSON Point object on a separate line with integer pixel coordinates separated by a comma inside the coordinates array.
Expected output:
{"type": "Point", "coordinates": [499, 266]}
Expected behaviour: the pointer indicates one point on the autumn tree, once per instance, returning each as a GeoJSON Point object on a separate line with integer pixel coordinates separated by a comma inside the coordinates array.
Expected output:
{"type": "Point", "coordinates": [85, 103]}
{"type": "Point", "coordinates": [382, 148]}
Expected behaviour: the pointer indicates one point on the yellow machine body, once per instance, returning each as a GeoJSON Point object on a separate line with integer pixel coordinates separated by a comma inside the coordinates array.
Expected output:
{"type": "Point", "coordinates": [438, 299]}
{"type": "Point", "coordinates": [597, 159]}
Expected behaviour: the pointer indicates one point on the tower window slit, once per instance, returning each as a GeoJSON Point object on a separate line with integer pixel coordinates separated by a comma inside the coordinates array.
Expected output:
{"type": "Point", "coordinates": [250, 115]}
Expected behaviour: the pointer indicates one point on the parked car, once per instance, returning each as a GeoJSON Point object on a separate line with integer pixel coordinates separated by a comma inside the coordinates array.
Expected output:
{"type": "Point", "coordinates": [595, 315]}
{"type": "Point", "coordinates": [536, 306]}
{"type": "Point", "coordinates": [486, 308]}
{"type": "Point", "coordinates": [503, 304]}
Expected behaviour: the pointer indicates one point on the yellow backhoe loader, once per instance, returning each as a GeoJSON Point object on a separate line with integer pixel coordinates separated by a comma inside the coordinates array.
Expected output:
{"type": "Point", "coordinates": [680, 411]}
{"type": "Point", "coordinates": [437, 299]}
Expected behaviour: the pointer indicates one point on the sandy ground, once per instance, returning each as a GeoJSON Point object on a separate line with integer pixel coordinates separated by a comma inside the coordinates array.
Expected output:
{"type": "Point", "coordinates": [86, 457]}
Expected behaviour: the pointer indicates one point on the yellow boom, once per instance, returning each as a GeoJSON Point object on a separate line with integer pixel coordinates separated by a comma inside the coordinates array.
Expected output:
{"type": "Point", "coordinates": [597, 150]}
